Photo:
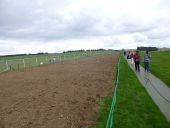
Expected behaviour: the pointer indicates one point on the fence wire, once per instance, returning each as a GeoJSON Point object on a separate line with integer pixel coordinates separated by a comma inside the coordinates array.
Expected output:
{"type": "Point", "coordinates": [111, 112]}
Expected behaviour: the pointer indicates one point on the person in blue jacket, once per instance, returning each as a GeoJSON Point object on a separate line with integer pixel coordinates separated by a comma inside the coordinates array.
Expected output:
{"type": "Point", "coordinates": [147, 61]}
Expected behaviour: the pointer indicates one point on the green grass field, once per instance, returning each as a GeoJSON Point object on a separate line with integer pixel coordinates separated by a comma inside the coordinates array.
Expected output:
{"type": "Point", "coordinates": [160, 65]}
{"type": "Point", "coordinates": [134, 107]}
{"type": "Point", "coordinates": [28, 61]}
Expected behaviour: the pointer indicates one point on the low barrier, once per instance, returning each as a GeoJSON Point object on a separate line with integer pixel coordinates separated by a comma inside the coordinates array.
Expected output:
{"type": "Point", "coordinates": [24, 63]}
{"type": "Point", "coordinates": [111, 112]}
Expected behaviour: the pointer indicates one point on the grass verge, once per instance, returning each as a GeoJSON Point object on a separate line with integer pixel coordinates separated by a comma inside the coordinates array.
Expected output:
{"type": "Point", "coordinates": [105, 105]}
{"type": "Point", "coordinates": [160, 65]}
{"type": "Point", "coordinates": [134, 107]}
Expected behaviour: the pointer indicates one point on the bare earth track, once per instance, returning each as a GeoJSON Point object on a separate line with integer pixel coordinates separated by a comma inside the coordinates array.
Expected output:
{"type": "Point", "coordinates": [62, 95]}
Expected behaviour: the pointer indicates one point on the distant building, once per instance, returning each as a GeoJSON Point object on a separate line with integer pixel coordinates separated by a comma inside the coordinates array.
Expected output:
{"type": "Point", "coordinates": [147, 48]}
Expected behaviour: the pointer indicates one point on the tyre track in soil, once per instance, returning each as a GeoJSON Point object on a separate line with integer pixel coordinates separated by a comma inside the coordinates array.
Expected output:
{"type": "Point", "coordinates": [62, 95]}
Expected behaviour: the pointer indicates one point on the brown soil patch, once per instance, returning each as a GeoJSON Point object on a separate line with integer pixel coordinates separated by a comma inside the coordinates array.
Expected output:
{"type": "Point", "coordinates": [62, 95]}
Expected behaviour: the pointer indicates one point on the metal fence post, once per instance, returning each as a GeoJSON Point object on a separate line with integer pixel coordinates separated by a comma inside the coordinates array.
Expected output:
{"type": "Point", "coordinates": [23, 62]}
{"type": "Point", "coordinates": [7, 66]}
{"type": "Point", "coordinates": [36, 60]}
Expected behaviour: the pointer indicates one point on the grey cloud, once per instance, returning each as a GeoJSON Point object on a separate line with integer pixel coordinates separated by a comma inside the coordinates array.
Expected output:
{"type": "Point", "coordinates": [43, 25]}
{"type": "Point", "coordinates": [140, 38]}
{"type": "Point", "coordinates": [32, 20]}
{"type": "Point", "coordinates": [160, 32]}
{"type": "Point", "coordinates": [131, 25]}
{"type": "Point", "coordinates": [28, 18]}
{"type": "Point", "coordinates": [136, 27]}
{"type": "Point", "coordinates": [49, 20]}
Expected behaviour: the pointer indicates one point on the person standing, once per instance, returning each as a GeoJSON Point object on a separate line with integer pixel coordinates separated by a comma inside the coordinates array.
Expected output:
{"type": "Point", "coordinates": [124, 53]}
{"type": "Point", "coordinates": [131, 58]}
{"type": "Point", "coordinates": [147, 61]}
{"type": "Point", "coordinates": [137, 61]}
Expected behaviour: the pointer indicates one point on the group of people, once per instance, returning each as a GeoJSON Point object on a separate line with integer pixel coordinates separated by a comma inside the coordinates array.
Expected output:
{"type": "Point", "coordinates": [135, 58]}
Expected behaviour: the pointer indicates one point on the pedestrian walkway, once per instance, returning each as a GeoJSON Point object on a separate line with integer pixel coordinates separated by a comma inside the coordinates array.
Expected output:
{"type": "Point", "coordinates": [159, 92]}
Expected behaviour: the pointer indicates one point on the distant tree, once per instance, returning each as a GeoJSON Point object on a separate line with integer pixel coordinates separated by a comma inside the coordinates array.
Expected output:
{"type": "Point", "coordinates": [81, 50]}
{"type": "Point", "coordinates": [14, 55]}
{"type": "Point", "coordinates": [74, 51]}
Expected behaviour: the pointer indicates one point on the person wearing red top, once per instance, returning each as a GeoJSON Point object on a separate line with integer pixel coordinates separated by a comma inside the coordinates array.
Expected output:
{"type": "Point", "coordinates": [137, 61]}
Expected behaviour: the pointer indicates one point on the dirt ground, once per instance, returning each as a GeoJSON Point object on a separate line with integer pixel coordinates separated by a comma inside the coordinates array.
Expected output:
{"type": "Point", "coordinates": [61, 95]}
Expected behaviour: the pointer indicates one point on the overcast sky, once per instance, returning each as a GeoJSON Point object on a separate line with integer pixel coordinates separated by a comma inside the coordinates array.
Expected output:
{"type": "Point", "coordinates": [31, 26]}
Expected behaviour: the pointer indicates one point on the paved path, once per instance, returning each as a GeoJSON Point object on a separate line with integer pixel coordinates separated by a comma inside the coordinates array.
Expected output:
{"type": "Point", "coordinates": [159, 92]}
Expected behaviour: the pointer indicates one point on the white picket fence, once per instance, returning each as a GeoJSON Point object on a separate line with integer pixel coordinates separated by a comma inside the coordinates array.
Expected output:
{"type": "Point", "coordinates": [18, 64]}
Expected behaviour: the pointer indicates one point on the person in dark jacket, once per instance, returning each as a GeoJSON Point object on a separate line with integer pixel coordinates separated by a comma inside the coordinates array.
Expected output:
{"type": "Point", "coordinates": [137, 61]}
{"type": "Point", "coordinates": [147, 62]}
